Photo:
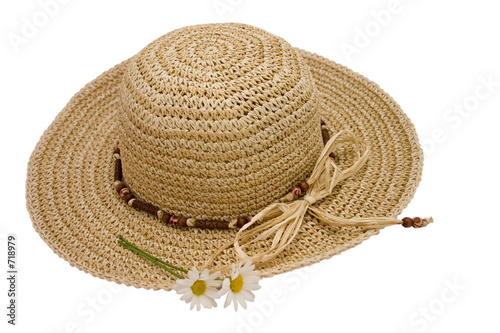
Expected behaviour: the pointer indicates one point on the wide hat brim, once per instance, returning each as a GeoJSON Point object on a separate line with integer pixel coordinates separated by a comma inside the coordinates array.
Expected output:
{"type": "Point", "coordinates": [77, 212]}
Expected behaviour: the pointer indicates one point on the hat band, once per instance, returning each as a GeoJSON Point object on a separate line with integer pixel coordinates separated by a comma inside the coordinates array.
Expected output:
{"type": "Point", "coordinates": [180, 221]}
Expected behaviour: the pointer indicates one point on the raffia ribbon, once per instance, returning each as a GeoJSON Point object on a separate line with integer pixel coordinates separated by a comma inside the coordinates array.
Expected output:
{"type": "Point", "coordinates": [284, 219]}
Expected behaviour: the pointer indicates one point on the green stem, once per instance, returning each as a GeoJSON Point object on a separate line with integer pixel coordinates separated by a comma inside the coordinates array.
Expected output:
{"type": "Point", "coordinates": [153, 257]}
{"type": "Point", "coordinates": [150, 258]}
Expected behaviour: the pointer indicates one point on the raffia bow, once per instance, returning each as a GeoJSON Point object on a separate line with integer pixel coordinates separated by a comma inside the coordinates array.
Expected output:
{"type": "Point", "coordinates": [283, 220]}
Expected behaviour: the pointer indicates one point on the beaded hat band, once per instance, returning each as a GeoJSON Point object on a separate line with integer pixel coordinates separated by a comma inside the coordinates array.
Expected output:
{"type": "Point", "coordinates": [180, 221]}
{"type": "Point", "coordinates": [325, 176]}
{"type": "Point", "coordinates": [235, 148]}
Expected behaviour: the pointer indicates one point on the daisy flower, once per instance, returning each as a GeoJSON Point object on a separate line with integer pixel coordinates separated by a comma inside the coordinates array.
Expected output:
{"type": "Point", "coordinates": [199, 289]}
{"type": "Point", "coordinates": [240, 284]}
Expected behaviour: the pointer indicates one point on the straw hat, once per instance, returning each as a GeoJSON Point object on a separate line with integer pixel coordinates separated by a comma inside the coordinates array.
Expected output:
{"type": "Point", "coordinates": [218, 144]}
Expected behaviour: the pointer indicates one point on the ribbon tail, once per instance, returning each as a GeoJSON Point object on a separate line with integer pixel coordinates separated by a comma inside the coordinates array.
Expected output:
{"type": "Point", "coordinates": [365, 222]}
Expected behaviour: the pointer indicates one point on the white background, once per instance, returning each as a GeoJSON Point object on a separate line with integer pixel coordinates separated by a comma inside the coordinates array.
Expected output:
{"type": "Point", "coordinates": [433, 57]}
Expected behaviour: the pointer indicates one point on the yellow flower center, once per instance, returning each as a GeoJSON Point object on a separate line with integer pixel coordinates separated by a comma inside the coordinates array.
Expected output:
{"type": "Point", "coordinates": [236, 284]}
{"type": "Point", "coordinates": [199, 287]}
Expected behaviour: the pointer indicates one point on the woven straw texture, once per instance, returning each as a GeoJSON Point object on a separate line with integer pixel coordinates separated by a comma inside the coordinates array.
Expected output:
{"type": "Point", "coordinates": [213, 121]}
{"type": "Point", "coordinates": [217, 121]}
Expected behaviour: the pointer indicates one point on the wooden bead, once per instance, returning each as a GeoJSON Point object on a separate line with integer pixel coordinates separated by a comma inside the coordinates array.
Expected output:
{"type": "Point", "coordinates": [211, 225]}
{"type": "Point", "coordinates": [128, 197]}
{"type": "Point", "coordinates": [222, 225]}
{"type": "Point", "coordinates": [200, 224]}
{"type": "Point", "coordinates": [166, 218]}
{"type": "Point", "coordinates": [174, 220]}
{"type": "Point", "coordinates": [190, 222]}
{"type": "Point", "coordinates": [124, 191]}
{"type": "Point", "coordinates": [289, 196]}
{"type": "Point", "coordinates": [417, 222]}
{"type": "Point", "coordinates": [241, 221]}
{"type": "Point", "coordinates": [145, 207]}
{"type": "Point", "coordinates": [296, 191]}
{"type": "Point", "coordinates": [119, 187]}
{"type": "Point", "coordinates": [325, 135]}
{"type": "Point", "coordinates": [118, 169]}
{"type": "Point", "coordinates": [182, 222]}
{"type": "Point", "coordinates": [407, 222]}
{"type": "Point", "coordinates": [304, 186]}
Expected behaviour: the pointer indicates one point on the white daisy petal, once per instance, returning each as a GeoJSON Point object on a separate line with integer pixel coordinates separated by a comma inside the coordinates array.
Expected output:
{"type": "Point", "coordinates": [202, 302]}
{"type": "Point", "coordinates": [245, 268]}
{"type": "Point", "coordinates": [252, 287]}
{"type": "Point", "coordinates": [204, 274]}
{"type": "Point", "coordinates": [205, 302]}
{"type": "Point", "coordinates": [222, 292]}
{"type": "Point", "coordinates": [250, 266]}
{"type": "Point", "coordinates": [229, 298]}
{"type": "Point", "coordinates": [214, 275]}
{"type": "Point", "coordinates": [235, 302]}
{"type": "Point", "coordinates": [248, 295]}
{"type": "Point", "coordinates": [250, 279]}
{"type": "Point", "coordinates": [184, 290]}
{"type": "Point", "coordinates": [212, 293]}
{"type": "Point", "coordinates": [233, 270]}
{"type": "Point", "coordinates": [213, 284]}
{"type": "Point", "coordinates": [251, 272]}
{"type": "Point", "coordinates": [239, 299]}
{"type": "Point", "coordinates": [181, 284]}
{"type": "Point", "coordinates": [193, 274]}
{"type": "Point", "coordinates": [224, 289]}
{"type": "Point", "coordinates": [187, 297]}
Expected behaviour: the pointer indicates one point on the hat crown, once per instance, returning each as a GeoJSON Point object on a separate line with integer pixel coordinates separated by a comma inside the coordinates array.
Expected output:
{"type": "Point", "coordinates": [217, 121]}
